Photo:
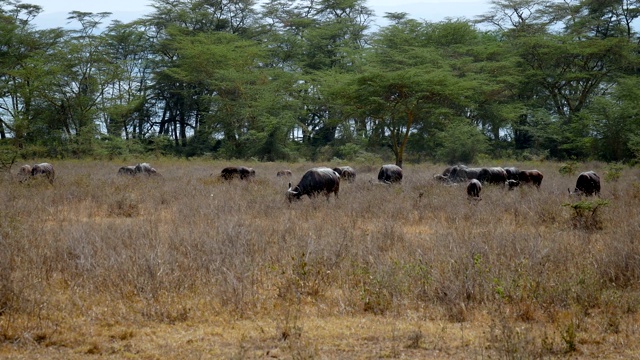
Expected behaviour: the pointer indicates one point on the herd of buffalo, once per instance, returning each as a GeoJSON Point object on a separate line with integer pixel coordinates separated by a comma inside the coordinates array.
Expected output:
{"type": "Point", "coordinates": [324, 180]}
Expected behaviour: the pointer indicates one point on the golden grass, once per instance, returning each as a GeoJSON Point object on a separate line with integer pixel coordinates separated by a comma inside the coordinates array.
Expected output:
{"type": "Point", "coordinates": [189, 266]}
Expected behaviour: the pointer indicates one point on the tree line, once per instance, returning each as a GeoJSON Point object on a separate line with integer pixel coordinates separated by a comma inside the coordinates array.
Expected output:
{"type": "Point", "coordinates": [316, 80]}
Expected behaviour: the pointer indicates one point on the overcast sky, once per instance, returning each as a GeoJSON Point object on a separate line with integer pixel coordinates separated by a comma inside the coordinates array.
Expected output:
{"type": "Point", "coordinates": [56, 11]}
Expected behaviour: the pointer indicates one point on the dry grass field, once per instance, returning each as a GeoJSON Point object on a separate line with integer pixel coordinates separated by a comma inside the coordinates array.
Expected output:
{"type": "Point", "coordinates": [188, 266]}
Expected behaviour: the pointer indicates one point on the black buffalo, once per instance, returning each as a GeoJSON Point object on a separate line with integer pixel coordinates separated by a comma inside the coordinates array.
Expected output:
{"type": "Point", "coordinates": [447, 171]}
{"type": "Point", "coordinates": [442, 178]}
{"type": "Point", "coordinates": [24, 173]}
{"type": "Point", "coordinates": [513, 184]}
{"type": "Point", "coordinates": [145, 169]}
{"type": "Point", "coordinates": [127, 170]}
{"type": "Point", "coordinates": [241, 172]}
{"type": "Point", "coordinates": [461, 173]}
{"type": "Point", "coordinates": [588, 183]}
{"type": "Point", "coordinates": [493, 175]}
{"type": "Point", "coordinates": [346, 172]}
{"type": "Point", "coordinates": [390, 174]}
{"type": "Point", "coordinates": [512, 173]}
{"type": "Point", "coordinates": [473, 188]}
{"type": "Point", "coordinates": [314, 182]}
{"type": "Point", "coordinates": [532, 177]}
{"type": "Point", "coordinates": [44, 169]}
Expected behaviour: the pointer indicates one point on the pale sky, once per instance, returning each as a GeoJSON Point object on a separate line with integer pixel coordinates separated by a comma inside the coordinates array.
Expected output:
{"type": "Point", "coordinates": [56, 11]}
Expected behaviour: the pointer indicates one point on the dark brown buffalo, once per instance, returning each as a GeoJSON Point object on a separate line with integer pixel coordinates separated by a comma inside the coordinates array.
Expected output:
{"type": "Point", "coordinates": [513, 184]}
{"type": "Point", "coordinates": [314, 182]}
{"type": "Point", "coordinates": [240, 172]}
{"type": "Point", "coordinates": [24, 173]}
{"type": "Point", "coordinates": [532, 177]}
{"type": "Point", "coordinates": [493, 175]}
{"type": "Point", "coordinates": [284, 173]}
{"type": "Point", "coordinates": [44, 169]}
{"type": "Point", "coordinates": [512, 173]}
{"type": "Point", "coordinates": [127, 170]}
{"type": "Point", "coordinates": [390, 174]}
{"type": "Point", "coordinates": [346, 172]}
{"type": "Point", "coordinates": [461, 173]}
{"type": "Point", "coordinates": [473, 188]}
{"type": "Point", "coordinates": [442, 178]}
{"type": "Point", "coordinates": [447, 171]}
{"type": "Point", "coordinates": [588, 183]}
{"type": "Point", "coordinates": [146, 169]}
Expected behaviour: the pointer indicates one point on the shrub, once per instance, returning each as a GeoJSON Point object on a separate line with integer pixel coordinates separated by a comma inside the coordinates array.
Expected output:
{"type": "Point", "coordinates": [585, 214]}
{"type": "Point", "coordinates": [613, 173]}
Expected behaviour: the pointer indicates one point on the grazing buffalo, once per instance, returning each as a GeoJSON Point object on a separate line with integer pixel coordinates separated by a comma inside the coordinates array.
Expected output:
{"type": "Point", "coordinates": [315, 181]}
{"type": "Point", "coordinates": [145, 169]}
{"type": "Point", "coordinates": [127, 170]}
{"type": "Point", "coordinates": [346, 172]}
{"type": "Point", "coordinates": [461, 173]}
{"type": "Point", "coordinates": [512, 173]}
{"type": "Point", "coordinates": [284, 173]}
{"type": "Point", "coordinates": [44, 169]}
{"type": "Point", "coordinates": [447, 171]}
{"type": "Point", "coordinates": [442, 178]}
{"type": "Point", "coordinates": [241, 172]}
{"type": "Point", "coordinates": [513, 184]}
{"type": "Point", "coordinates": [390, 174]}
{"type": "Point", "coordinates": [24, 173]}
{"type": "Point", "coordinates": [493, 175]}
{"type": "Point", "coordinates": [473, 188]}
{"type": "Point", "coordinates": [588, 183]}
{"type": "Point", "coordinates": [533, 177]}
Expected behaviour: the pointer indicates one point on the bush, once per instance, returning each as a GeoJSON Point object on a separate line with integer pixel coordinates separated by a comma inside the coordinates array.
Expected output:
{"type": "Point", "coordinates": [585, 214]}
{"type": "Point", "coordinates": [613, 173]}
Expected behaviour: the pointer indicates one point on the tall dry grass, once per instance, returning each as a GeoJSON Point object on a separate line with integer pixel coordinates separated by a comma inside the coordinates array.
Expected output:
{"type": "Point", "coordinates": [104, 249]}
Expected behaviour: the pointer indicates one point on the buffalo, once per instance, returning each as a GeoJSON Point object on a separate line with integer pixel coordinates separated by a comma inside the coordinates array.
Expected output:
{"type": "Point", "coordinates": [390, 174]}
{"type": "Point", "coordinates": [493, 175]}
{"type": "Point", "coordinates": [146, 169]}
{"type": "Point", "coordinates": [447, 171]}
{"type": "Point", "coordinates": [284, 173]}
{"type": "Point", "coordinates": [315, 181]}
{"type": "Point", "coordinates": [533, 177]}
{"type": "Point", "coordinates": [346, 172]}
{"type": "Point", "coordinates": [445, 177]}
{"type": "Point", "coordinates": [512, 173]}
{"type": "Point", "coordinates": [241, 172]}
{"type": "Point", "coordinates": [513, 184]}
{"type": "Point", "coordinates": [24, 173]}
{"type": "Point", "coordinates": [44, 169]}
{"type": "Point", "coordinates": [461, 173]}
{"type": "Point", "coordinates": [442, 178]}
{"type": "Point", "coordinates": [473, 188]}
{"type": "Point", "coordinates": [588, 183]}
{"type": "Point", "coordinates": [127, 170]}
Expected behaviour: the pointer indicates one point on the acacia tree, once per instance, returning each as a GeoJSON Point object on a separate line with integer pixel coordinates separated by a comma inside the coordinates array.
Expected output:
{"type": "Point", "coordinates": [79, 72]}
{"type": "Point", "coordinates": [317, 41]}
{"type": "Point", "coordinates": [182, 111]}
{"type": "Point", "coordinates": [419, 78]}
{"type": "Point", "coordinates": [23, 51]}
{"type": "Point", "coordinates": [570, 53]}
{"type": "Point", "coordinates": [126, 103]}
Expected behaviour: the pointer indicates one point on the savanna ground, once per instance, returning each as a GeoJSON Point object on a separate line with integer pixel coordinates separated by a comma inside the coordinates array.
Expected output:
{"type": "Point", "coordinates": [188, 266]}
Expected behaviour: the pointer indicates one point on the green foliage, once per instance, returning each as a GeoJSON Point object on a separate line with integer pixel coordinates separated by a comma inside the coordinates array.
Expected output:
{"type": "Point", "coordinates": [585, 215]}
{"type": "Point", "coordinates": [8, 155]}
{"type": "Point", "coordinates": [614, 171]}
{"type": "Point", "coordinates": [460, 142]}
{"type": "Point", "coordinates": [231, 82]}
{"type": "Point", "coordinates": [568, 168]}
